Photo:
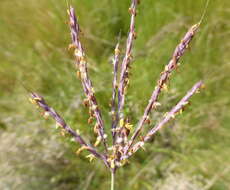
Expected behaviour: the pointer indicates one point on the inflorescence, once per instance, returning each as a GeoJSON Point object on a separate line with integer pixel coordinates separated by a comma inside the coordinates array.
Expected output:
{"type": "Point", "coordinates": [122, 147]}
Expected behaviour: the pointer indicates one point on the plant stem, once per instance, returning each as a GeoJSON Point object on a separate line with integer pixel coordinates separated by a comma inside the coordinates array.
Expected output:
{"type": "Point", "coordinates": [112, 179]}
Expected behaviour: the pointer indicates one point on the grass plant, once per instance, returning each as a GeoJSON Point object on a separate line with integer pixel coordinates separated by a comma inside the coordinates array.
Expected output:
{"type": "Point", "coordinates": [189, 153]}
{"type": "Point", "coordinates": [116, 155]}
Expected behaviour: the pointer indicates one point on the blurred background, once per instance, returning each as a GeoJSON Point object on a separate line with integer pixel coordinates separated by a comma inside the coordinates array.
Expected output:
{"type": "Point", "coordinates": [191, 153]}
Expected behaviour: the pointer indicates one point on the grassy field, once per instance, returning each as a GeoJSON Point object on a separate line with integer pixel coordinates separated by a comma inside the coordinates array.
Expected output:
{"type": "Point", "coordinates": [34, 36]}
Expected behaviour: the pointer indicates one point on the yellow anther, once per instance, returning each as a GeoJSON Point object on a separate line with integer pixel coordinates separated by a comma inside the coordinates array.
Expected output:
{"type": "Point", "coordinates": [32, 101]}
{"type": "Point", "coordinates": [91, 157]}
{"type": "Point", "coordinates": [129, 126]}
{"type": "Point", "coordinates": [95, 129]}
{"type": "Point", "coordinates": [81, 149]}
{"type": "Point", "coordinates": [57, 125]}
{"type": "Point", "coordinates": [123, 162]}
{"type": "Point", "coordinates": [156, 104]}
{"type": "Point", "coordinates": [92, 90]}
{"type": "Point", "coordinates": [173, 116]}
{"type": "Point", "coordinates": [97, 141]}
{"type": "Point", "coordinates": [38, 99]}
{"type": "Point", "coordinates": [78, 73]}
{"type": "Point", "coordinates": [166, 114]}
{"type": "Point", "coordinates": [185, 103]}
{"type": "Point", "coordinates": [68, 11]}
{"type": "Point", "coordinates": [121, 122]}
{"type": "Point", "coordinates": [90, 120]}
{"type": "Point", "coordinates": [63, 133]}
{"type": "Point", "coordinates": [78, 53]}
{"type": "Point", "coordinates": [46, 114]}
{"type": "Point", "coordinates": [94, 107]}
{"type": "Point", "coordinates": [117, 51]}
{"type": "Point", "coordinates": [202, 86]}
{"type": "Point", "coordinates": [72, 46]}
{"type": "Point", "coordinates": [166, 68]}
{"type": "Point", "coordinates": [112, 164]}
{"type": "Point", "coordinates": [165, 87]}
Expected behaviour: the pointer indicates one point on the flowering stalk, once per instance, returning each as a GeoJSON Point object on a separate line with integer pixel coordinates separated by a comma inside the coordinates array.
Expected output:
{"type": "Point", "coordinates": [122, 130]}
{"type": "Point", "coordinates": [124, 77]}
{"type": "Point", "coordinates": [81, 64]}
{"type": "Point", "coordinates": [178, 108]}
{"type": "Point", "coordinates": [172, 65]}
{"type": "Point", "coordinates": [48, 111]}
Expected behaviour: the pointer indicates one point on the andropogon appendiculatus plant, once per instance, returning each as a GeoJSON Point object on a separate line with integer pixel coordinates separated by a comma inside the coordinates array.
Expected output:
{"type": "Point", "coordinates": [117, 154]}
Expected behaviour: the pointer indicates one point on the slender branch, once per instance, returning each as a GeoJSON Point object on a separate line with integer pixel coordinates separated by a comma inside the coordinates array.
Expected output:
{"type": "Point", "coordinates": [124, 76]}
{"type": "Point", "coordinates": [173, 63]}
{"type": "Point", "coordinates": [115, 86]}
{"type": "Point", "coordinates": [38, 100]}
{"type": "Point", "coordinates": [81, 63]}
{"type": "Point", "coordinates": [170, 115]}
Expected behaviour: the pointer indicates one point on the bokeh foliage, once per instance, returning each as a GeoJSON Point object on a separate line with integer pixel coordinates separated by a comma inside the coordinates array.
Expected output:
{"type": "Point", "coordinates": [192, 153]}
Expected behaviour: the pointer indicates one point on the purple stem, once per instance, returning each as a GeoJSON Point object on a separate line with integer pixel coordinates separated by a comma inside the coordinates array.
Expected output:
{"type": "Point", "coordinates": [61, 122]}
{"type": "Point", "coordinates": [86, 82]}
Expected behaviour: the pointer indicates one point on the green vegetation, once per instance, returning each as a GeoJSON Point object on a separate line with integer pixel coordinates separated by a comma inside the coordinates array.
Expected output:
{"type": "Point", "coordinates": [34, 36]}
